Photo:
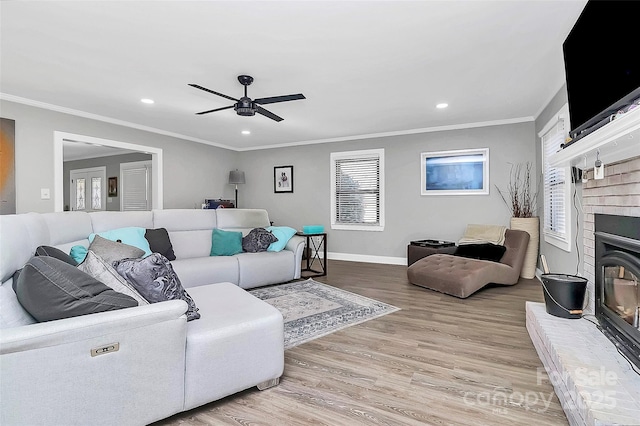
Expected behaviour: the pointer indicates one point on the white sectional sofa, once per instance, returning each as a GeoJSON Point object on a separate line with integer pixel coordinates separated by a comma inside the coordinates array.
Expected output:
{"type": "Point", "coordinates": [155, 363]}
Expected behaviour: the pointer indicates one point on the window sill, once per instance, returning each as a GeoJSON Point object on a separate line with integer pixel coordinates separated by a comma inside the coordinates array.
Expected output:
{"type": "Point", "coordinates": [357, 227]}
{"type": "Point", "coordinates": [557, 241]}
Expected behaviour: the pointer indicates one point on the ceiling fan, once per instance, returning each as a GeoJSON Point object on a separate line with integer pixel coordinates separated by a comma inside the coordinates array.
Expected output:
{"type": "Point", "coordinates": [247, 107]}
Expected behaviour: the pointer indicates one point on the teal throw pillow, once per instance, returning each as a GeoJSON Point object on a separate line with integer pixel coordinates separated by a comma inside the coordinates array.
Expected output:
{"type": "Point", "coordinates": [226, 243]}
{"type": "Point", "coordinates": [283, 233]}
{"type": "Point", "coordinates": [78, 253]}
{"type": "Point", "coordinates": [133, 236]}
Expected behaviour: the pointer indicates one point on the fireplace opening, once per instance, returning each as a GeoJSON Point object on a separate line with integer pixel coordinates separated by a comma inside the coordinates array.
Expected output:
{"type": "Point", "coordinates": [620, 287]}
{"type": "Point", "coordinates": [617, 294]}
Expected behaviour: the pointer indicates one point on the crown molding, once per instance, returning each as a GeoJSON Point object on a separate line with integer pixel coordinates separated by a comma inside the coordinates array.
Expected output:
{"type": "Point", "coordinates": [65, 110]}
{"type": "Point", "coordinates": [91, 116]}
{"type": "Point", "coordinates": [398, 133]}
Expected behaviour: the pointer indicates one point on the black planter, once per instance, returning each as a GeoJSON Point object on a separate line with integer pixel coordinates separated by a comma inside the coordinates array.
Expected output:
{"type": "Point", "coordinates": [564, 294]}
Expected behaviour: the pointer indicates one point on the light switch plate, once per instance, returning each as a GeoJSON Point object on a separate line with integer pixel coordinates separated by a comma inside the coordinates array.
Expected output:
{"type": "Point", "coordinates": [45, 194]}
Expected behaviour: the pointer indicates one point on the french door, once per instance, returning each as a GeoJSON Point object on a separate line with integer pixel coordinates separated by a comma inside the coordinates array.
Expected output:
{"type": "Point", "coordinates": [87, 189]}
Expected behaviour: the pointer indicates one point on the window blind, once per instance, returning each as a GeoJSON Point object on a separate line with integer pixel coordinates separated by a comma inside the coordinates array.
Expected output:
{"type": "Point", "coordinates": [357, 191]}
{"type": "Point", "coordinates": [135, 189]}
{"type": "Point", "coordinates": [554, 183]}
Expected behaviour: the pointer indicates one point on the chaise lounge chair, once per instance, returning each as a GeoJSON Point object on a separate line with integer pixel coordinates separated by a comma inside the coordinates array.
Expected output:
{"type": "Point", "coordinates": [461, 276]}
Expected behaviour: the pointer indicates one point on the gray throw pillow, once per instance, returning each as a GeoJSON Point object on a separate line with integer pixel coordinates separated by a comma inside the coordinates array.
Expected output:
{"type": "Point", "coordinates": [99, 269]}
{"type": "Point", "coordinates": [57, 253]}
{"type": "Point", "coordinates": [50, 289]}
{"type": "Point", "coordinates": [257, 240]}
{"type": "Point", "coordinates": [156, 281]}
{"type": "Point", "coordinates": [110, 251]}
{"type": "Point", "coordinates": [159, 242]}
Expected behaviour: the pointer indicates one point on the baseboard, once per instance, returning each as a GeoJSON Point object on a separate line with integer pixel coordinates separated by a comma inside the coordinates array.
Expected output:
{"type": "Point", "coordinates": [387, 260]}
{"type": "Point", "coordinates": [539, 273]}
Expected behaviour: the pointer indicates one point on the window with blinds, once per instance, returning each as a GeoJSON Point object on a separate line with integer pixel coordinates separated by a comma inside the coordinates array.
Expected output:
{"type": "Point", "coordinates": [357, 190]}
{"type": "Point", "coordinates": [557, 189]}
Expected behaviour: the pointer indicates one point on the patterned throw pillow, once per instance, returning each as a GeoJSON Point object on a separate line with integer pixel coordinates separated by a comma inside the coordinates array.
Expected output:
{"type": "Point", "coordinates": [156, 281]}
{"type": "Point", "coordinates": [258, 240]}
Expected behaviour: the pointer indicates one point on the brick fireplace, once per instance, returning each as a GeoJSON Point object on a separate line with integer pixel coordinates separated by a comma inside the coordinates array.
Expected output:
{"type": "Point", "coordinates": [617, 194]}
{"type": "Point", "coordinates": [594, 383]}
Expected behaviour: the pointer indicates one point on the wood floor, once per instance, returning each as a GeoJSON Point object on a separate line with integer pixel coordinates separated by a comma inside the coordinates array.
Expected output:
{"type": "Point", "coordinates": [438, 361]}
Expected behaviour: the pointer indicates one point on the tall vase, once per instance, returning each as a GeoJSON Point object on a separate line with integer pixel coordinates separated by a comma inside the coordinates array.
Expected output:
{"type": "Point", "coordinates": [532, 226]}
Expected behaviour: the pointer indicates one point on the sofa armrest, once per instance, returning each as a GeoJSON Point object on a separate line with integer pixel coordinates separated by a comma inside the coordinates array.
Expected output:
{"type": "Point", "coordinates": [54, 333]}
{"type": "Point", "coordinates": [50, 369]}
{"type": "Point", "coordinates": [296, 245]}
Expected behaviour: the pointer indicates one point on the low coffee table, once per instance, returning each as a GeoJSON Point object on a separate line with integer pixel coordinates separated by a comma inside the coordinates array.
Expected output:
{"type": "Point", "coordinates": [416, 250]}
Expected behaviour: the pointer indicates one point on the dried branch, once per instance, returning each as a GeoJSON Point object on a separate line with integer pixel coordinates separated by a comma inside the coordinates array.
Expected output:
{"type": "Point", "coordinates": [519, 197]}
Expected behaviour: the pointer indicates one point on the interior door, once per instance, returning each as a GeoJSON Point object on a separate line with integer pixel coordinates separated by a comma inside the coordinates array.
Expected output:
{"type": "Point", "coordinates": [88, 189]}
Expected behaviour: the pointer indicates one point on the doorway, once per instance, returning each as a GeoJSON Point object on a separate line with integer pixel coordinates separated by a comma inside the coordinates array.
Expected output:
{"type": "Point", "coordinates": [88, 190]}
{"type": "Point", "coordinates": [59, 138]}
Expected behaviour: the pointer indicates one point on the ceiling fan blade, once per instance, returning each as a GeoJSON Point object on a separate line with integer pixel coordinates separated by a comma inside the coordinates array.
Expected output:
{"type": "Point", "coordinates": [211, 91]}
{"type": "Point", "coordinates": [268, 114]}
{"type": "Point", "coordinates": [274, 99]}
{"type": "Point", "coordinates": [214, 110]}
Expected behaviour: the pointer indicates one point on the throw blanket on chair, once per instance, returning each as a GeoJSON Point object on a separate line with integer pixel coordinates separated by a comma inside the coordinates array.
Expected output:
{"type": "Point", "coordinates": [477, 234]}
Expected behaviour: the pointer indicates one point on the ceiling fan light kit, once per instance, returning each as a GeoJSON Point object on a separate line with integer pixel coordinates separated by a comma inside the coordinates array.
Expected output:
{"type": "Point", "coordinates": [247, 107]}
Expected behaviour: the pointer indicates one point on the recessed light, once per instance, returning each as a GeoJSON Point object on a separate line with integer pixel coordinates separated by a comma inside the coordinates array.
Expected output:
{"type": "Point", "coordinates": [246, 132]}
{"type": "Point", "coordinates": [442, 106]}
{"type": "Point", "coordinates": [147, 101]}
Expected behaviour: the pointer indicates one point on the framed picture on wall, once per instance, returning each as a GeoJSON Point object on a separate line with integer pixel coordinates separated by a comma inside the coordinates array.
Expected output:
{"type": "Point", "coordinates": [113, 187]}
{"type": "Point", "coordinates": [460, 172]}
{"type": "Point", "coordinates": [283, 179]}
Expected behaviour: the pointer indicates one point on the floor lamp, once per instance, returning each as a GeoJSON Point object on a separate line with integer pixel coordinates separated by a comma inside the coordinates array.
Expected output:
{"type": "Point", "coordinates": [236, 177]}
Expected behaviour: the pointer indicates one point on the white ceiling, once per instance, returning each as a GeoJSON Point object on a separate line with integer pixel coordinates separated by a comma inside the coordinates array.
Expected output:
{"type": "Point", "coordinates": [366, 67]}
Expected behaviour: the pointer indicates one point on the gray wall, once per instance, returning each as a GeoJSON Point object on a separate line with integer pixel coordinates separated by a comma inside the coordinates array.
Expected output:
{"type": "Point", "coordinates": [409, 215]}
{"type": "Point", "coordinates": [559, 260]}
{"type": "Point", "coordinates": [112, 165]}
{"type": "Point", "coordinates": [192, 171]}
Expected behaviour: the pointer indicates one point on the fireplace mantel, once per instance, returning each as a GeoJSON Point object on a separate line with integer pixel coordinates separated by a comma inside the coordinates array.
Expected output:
{"type": "Point", "coordinates": [617, 141]}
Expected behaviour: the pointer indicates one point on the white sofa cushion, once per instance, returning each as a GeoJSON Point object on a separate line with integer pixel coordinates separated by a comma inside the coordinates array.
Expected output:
{"type": "Point", "coordinates": [15, 246]}
{"type": "Point", "coordinates": [184, 219]}
{"type": "Point", "coordinates": [106, 221]}
{"type": "Point", "coordinates": [67, 226]}
{"type": "Point", "coordinates": [237, 343]}
{"type": "Point", "coordinates": [242, 219]}
{"type": "Point", "coordinates": [12, 314]}
{"type": "Point", "coordinates": [37, 228]}
{"type": "Point", "coordinates": [189, 244]}
{"type": "Point", "coordinates": [206, 270]}
{"type": "Point", "coordinates": [257, 269]}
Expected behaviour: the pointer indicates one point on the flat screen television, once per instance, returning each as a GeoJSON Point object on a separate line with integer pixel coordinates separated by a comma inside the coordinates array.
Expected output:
{"type": "Point", "coordinates": [602, 63]}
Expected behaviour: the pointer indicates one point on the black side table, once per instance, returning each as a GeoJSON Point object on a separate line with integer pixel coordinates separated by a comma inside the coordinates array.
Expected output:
{"type": "Point", "coordinates": [416, 250]}
{"type": "Point", "coordinates": [313, 247]}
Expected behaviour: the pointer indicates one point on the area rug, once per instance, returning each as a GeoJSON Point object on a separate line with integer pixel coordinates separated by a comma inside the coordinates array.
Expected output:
{"type": "Point", "coordinates": [312, 309]}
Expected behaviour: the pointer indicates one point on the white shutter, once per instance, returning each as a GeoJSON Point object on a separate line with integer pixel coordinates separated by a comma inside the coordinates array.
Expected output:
{"type": "Point", "coordinates": [556, 186]}
{"type": "Point", "coordinates": [554, 182]}
{"type": "Point", "coordinates": [135, 188]}
{"type": "Point", "coordinates": [357, 190]}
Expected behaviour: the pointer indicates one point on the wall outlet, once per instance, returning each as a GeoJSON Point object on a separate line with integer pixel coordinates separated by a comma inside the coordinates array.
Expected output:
{"type": "Point", "coordinates": [45, 194]}
{"type": "Point", "coordinates": [598, 172]}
